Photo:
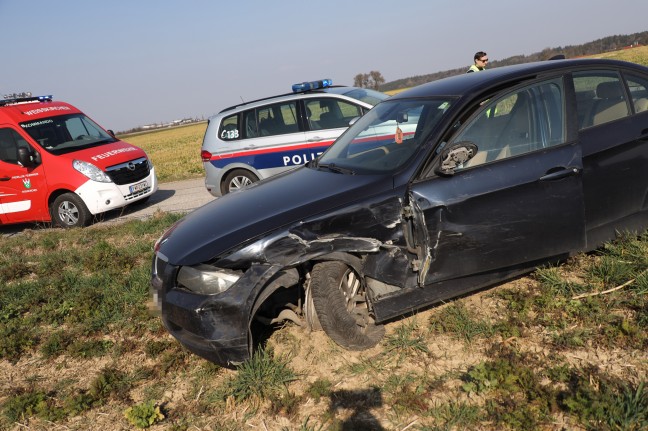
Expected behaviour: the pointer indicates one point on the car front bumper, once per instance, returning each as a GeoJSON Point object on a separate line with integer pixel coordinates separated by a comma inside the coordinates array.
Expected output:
{"type": "Point", "coordinates": [215, 327]}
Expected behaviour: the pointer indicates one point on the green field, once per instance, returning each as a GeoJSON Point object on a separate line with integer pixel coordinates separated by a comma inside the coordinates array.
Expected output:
{"type": "Point", "coordinates": [175, 152]}
{"type": "Point", "coordinates": [562, 349]}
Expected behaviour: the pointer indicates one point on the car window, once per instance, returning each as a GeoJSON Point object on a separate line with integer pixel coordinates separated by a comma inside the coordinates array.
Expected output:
{"type": "Point", "coordinates": [10, 141]}
{"type": "Point", "coordinates": [329, 113]}
{"type": "Point", "coordinates": [600, 98]}
{"type": "Point", "coordinates": [527, 119]}
{"type": "Point", "coordinates": [66, 133]}
{"type": "Point", "coordinates": [229, 129]}
{"type": "Point", "coordinates": [251, 124]}
{"type": "Point", "coordinates": [277, 119]}
{"type": "Point", "coordinates": [638, 92]}
{"type": "Point", "coordinates": [386, 137]}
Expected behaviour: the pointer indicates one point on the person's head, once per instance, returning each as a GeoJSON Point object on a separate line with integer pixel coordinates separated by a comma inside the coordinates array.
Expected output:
{"type": "Point", "coordinates": [481, 59]}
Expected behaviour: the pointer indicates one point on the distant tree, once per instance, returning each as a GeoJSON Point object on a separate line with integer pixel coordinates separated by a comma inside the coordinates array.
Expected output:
{"type": "Point", "coordinates": [361, 80]}
{"type": "Point", "coordinates": [373, 79]}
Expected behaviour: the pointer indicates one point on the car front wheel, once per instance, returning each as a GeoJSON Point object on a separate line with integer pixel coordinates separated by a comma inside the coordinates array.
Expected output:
{"type": "Point", "coordinates": [68, 210]}
{"type": "Point", "coordinates": [339, 298]}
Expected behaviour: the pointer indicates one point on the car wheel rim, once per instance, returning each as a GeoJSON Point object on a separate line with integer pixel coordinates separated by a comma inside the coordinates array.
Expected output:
{"type": "Point", "coordinates": [68, 213]}
{"type": "Point", "coordinates": [239, 182]}
{"type": "Point", "coordinates": [355, 299]}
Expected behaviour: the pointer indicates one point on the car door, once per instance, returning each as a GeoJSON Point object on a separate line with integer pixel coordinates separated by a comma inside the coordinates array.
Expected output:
{"type": "Point", "coordinates": [23, 190]}
{"type": "Point", "coordinates": [518, 201]}
{"type": "Point", "coordinates": [613, 134]}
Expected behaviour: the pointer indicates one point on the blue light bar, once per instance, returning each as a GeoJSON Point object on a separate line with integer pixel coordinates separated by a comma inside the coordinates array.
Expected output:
{"type": "Point", "coordinates": [312, 85]}
{"type": "Point", "coordinates": [10, 99]}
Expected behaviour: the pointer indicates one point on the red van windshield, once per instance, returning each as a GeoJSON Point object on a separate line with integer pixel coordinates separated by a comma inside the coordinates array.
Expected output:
{"type": "Point", "coordinates": [65, 133]}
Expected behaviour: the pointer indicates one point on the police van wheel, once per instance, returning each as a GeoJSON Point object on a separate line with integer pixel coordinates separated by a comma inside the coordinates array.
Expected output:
{"type": "Point", "coordinates": [237, 179]}
{"type": "Point", "coordinates": [68, 210]}
{"type": "Point", "coordinates": [339, 298]}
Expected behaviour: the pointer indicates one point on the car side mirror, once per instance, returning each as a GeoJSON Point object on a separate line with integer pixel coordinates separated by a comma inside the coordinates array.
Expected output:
{"type": "Point", "coordinates": [111, 133]}
{"type": "Point", "coordinates": [401, 117]}
{"type": "Point", "coordinates": [455, 156]}
{"type": "Point", "coordinates": [27, 157]}
{"type": "Point", "coordinates": [353, 121]}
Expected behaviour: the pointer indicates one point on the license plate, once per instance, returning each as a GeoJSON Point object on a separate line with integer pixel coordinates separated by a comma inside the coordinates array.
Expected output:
{"type": "Point", "coordinates": [135, 188]}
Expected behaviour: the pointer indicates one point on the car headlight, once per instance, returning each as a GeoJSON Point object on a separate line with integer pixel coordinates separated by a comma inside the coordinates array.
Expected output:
{"type": "Point", "coordinates": [207, 280]}
{"type": "Point", "coordinates": [91, 171]}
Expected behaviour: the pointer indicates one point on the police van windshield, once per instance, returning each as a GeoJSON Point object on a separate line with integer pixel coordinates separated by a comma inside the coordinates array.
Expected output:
{"type": "Point", "coordinates": [385, 138]}
{"type": "Point", "coordinates": [66, 133]}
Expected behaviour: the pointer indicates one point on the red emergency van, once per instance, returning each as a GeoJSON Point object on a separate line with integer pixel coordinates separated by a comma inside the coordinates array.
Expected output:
{"type": "Point", "coordinates": [59, 166]}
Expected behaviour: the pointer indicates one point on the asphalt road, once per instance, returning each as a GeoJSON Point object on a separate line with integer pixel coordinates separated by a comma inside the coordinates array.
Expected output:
{"type": "Point", "coordinates": [179, 196]}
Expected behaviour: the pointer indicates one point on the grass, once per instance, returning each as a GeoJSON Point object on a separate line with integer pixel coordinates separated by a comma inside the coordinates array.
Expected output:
{"type": "Point", "coordinates": [175, 152]}
{"type": "Point", "coordinates": [82, 346]}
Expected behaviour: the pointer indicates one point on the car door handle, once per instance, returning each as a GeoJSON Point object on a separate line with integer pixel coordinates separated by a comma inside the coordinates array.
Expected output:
{"type": "Point", "coordinates": [560, 173]}
{"type": "Point", "coordinates": [644, 135]}
{"type": "Point", "coordinates": [314, 139]}
{"type": "Point", "coordinates": [5, 178]}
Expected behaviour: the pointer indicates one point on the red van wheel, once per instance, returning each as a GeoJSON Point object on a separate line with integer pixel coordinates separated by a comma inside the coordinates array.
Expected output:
{"type": "Point", "coordinates": [68, 210]}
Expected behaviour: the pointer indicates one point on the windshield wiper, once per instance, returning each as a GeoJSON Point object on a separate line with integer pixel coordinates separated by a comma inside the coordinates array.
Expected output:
{"type": "Point", "coordinates": [335, 168]}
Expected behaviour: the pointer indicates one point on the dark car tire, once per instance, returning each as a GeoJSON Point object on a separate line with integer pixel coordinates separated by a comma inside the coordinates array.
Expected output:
{"type": "Point", "coordinates": [68, 210]}
{"type": "Point", "coordinates": [237, 179]}
{"type": "Point", "coordinates": [343, 314]}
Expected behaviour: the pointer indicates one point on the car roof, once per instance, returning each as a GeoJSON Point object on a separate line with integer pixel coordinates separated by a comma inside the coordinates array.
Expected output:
{"type": "Point", "coordinates": [469, 83]}
{"type": "Point", "coordinates": [338, 90]}
{"type": "Point", "coordinates": [34, 108]}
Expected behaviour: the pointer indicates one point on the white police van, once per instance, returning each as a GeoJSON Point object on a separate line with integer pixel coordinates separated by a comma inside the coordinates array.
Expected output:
{"type": "Point", "coordinates": [258, 139]}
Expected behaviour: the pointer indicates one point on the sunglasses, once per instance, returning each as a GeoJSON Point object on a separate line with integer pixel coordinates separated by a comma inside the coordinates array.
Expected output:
{"type": "Point", "coordinates": [484, 60]}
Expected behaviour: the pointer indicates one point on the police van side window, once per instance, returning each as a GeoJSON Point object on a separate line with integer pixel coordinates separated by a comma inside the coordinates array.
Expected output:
{"type": "Point", "coordinates": [10, 141]}
{"type": "Point", "coordinates": [251, 124]}
{"type": "Point", "coordinates": [277, 119]}
{"type": "Point", "coordinates": [328, 113]}
{"type": "Point", "coordinates": [229, 129]}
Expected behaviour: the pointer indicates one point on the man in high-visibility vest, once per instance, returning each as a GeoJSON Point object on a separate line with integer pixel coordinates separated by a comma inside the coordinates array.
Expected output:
{"type": "Point", "coordinates": [481, 58]}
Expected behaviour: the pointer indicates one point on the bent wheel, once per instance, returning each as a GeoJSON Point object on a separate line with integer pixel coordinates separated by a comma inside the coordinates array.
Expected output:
{"type": "Point", "coordinates": [68, 210]}
{"type": "Point", "coordinates": [340, 300]}
{"type": "Point", "coordinates": [237, 179]}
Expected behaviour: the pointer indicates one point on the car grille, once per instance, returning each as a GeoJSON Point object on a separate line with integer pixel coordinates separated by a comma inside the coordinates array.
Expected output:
{"type": "Point", "coordinates": [129, 172]}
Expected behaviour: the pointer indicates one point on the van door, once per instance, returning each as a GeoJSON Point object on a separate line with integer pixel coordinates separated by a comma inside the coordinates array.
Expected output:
{"type": "Point", "coordinates": [23, 190]}
{"type": "Point", "coordinates": [279, 141]}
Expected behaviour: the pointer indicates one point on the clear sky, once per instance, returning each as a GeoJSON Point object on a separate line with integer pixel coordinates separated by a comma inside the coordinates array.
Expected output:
{"type": "Point", "coordinates": [127, 63]}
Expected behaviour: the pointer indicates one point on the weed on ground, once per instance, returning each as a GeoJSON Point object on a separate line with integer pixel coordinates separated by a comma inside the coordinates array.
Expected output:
{"type": "Point", "coordinates": [564, 348]}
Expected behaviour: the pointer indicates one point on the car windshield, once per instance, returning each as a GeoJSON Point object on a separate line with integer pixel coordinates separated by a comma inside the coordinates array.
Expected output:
{"type": "Point", "coordinates": [66, 133]}
{"type": "Point", "coordinates": [385, 138]}
{"type": "Point", "coordinates": [367, 95]}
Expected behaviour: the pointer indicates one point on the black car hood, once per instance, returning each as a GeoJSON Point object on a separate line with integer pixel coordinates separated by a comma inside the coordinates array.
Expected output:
{"type": "Point", "coordinates": [264, 207]}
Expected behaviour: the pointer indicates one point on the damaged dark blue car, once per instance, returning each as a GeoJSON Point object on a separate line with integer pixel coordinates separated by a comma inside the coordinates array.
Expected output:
{"type": "Point", "coordinates": [443, 189]}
